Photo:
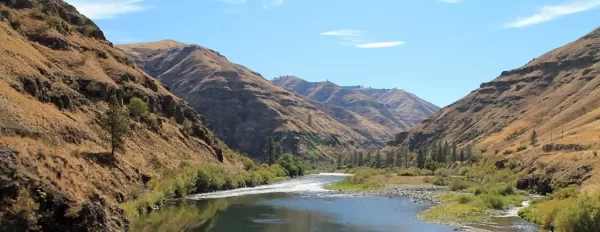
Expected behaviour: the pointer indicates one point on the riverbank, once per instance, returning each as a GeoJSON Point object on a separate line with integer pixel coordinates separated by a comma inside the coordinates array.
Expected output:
{"type": "Point", "coordinates": [455, 199]}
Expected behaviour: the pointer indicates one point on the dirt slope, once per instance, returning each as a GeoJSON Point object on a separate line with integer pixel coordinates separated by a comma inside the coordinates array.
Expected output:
{"type": "Point", "coordinates": [556, 95]}
{"type": "Point", "coordinates": [56, 73]}
{"type": "Point", "coordinates": [244, 108]}
{"type": "Point", "coordinates": [380, 120]}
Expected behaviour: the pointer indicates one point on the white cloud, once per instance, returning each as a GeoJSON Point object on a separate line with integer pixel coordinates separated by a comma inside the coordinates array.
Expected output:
{"type": "Point", "coordinates": [344, 32]}
{"type": "Point", "coordinates": [233, 1]}
{"type": "Point", "coordinates": [267, 4]}
{"type": "Point", "coordinates": [380, 44]}
{"type": "Point", "coordinates": [451, 1]}
{"type": "Point", "coordinates": [549, 13]}
{"type": "Point", "coordinates": [356, 38]}
{"type": "Point", "coordinates": [107, 9]}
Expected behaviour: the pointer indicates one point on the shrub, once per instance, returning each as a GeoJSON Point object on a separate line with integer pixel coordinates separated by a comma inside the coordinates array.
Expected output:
{"type": "Point", "coordinates": [521, 148]}
{"type": "Point", "coordinates": [90, 29]}
{"type": "Point", "coordinates": [508, 152]}
{"type": "Point", "coordinates": [504, 190]}
{"type": "Point", "coordinates": [464, 199]}
{"type": "Point", "coordinates": [248, 163]}
{"type": "Point", "coordinates": [458, 184]}
{"type": "Point", "coordinates": [15, 24]}
{"type": "Point", "coordinates": [137, 107]}
{"type": "Point", "coordinates": [25, 208]}
{"type": "Point", "coordinates": [581, 215]}
{"type": "Point", "coordinates": [493, 201]}
{"type": "Point", "coordinates": [478, 191]}
{"type": "Point", "coordinates": [442, 172]}
{"type": "Point", "coordinates": [5, 12]}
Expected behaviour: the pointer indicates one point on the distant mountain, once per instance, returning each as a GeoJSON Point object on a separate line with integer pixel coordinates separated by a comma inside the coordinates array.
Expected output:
{"type": "Point", "coordinates": [375, 113]}
{"type": "Point", "coordinates": [557, 95]}
{"type": "Point", "coordinates": [243, 107]}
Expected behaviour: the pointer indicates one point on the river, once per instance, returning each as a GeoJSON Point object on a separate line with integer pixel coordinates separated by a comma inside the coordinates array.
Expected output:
{"type": "Point", "coordinates": [296, 205]}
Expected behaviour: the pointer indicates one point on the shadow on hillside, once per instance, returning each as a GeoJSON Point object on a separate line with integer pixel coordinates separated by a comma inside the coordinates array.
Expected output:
{"type": "Point", "coordinates": [104, 159]}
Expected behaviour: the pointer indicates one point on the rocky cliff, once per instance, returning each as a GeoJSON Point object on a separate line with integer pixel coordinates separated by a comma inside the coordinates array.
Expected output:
{"type": "Point", "coordinates": [244, 108]}
{"type": "Point", "coordinates": [57, 71]}
{"type": "Point", "coordinates": [377, 114]}
{"type": "Point", "coordinates": [556, 95]}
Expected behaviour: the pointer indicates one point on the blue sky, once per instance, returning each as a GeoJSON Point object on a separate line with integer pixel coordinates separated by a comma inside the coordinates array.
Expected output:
{"type": "Point", "coordinates": [439, 50]}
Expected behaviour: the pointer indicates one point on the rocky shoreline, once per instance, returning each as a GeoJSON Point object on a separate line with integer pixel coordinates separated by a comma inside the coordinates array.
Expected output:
{"type": "Point", "coordinates": [417, 193]}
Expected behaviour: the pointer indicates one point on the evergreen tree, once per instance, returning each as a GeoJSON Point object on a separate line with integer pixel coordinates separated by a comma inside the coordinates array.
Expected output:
{"type": "Point", "coordinates": [407, 157]}
{"type": "Point", "coordinates": [439, 152]}
{"type": "Point", "coordinates": [453, 153]}
{"type": "Point", "coordinates": [421, 155]}
{"type": "Point", "coordinates": [360, 160]}
{"type": "Point", "coordinates": [389, 159]}
{"type": "Point", "coordinates": [278, 150]}
{"type": "Point", "coordinates": [534, 139]}
{"type": "Point", "coordinates": [378, 160]}
{"type": "Point", "coordinates": [269, 151]}
{"type": "Point", "coordinates": [446, 152]}
{"type": "Point", "coordinates": [339, 161]}
{"type": "Point", "coordinates": [468, 153]}
{"type": "Point", "coordinates": [461, 157]}
{"type": "Point", "coordinates": [398, 158]}
{"type": "Point", "coordinates": [115, 122]}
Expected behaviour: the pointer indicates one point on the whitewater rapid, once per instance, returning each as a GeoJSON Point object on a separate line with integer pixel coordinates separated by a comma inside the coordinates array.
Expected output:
{"type": "Point", "coordinates": [308, 183]}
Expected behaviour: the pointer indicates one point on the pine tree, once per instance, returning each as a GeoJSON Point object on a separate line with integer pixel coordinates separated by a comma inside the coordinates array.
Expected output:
{"type": "Point", "coordinates": [269, 151]}
{"type": "Point", "coordinates": [534, 139]}
{"type": "Point", "coordinates": [461, 157]}
{"type": "Point", "coordinates": [339, 161]}
{"type": "Point", "coordinates": [115, 122]}
{"type": "Point", "coordinates": [439, 152]}
{"type": "Point", "coordinates": [361, 160]}
{"type": "Point", "coordinates": [389, 159]}
{"type": "Point", "coordinates": [407, 157]}
{"type": "Point", "coordinates": [454, 154]}
{"type": "Point", "coordinates": [398, 158]}
{"type": "Point", "coordinates": [378, 160]}
{"type": "Point", "coordinates": [421, 155]}
{"type": "Point", "coordinates": [446, 151]}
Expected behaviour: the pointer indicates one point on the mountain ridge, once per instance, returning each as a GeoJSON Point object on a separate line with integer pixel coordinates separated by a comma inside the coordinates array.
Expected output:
{"type": "Point", "coordinates": [556, 95]}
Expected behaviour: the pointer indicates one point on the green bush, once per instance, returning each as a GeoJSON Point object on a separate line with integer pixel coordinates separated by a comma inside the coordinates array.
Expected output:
{"type": "Point", "coordinates": [464, 199]}
{"type": "Point", "coordinates": [521, 148]}
{"type": "Point", "coordinates": [137, 108]}
{"type": "Point", "coordinates": [503, 189]}
{"type": "Point", "coordinates": [442, 172]}
{"type": "Point", "coordinates": [5, 12]}
{"type": "Point", "coordinates": [90, 29]}
{"type": "Point", "coordinates": [493, 201]}
{"type": "Point", "coordinates": [458, 184]}
{"type": "Point", "coordinates": [508, 152]}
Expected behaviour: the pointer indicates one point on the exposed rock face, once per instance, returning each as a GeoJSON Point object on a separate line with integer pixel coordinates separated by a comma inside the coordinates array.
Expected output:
{"type": "Point", "coordinates": [556, 95]}
{"type": "Point", "coordinates": [56, 73]}
{"type": "Point", "coordinates": [243, 107]}
{"type": "Point", "coordinates": [377, 114]}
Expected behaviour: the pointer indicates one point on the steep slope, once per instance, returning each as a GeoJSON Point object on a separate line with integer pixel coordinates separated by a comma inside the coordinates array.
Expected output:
{"type": "Point", "coordinates": [244, 108]}
{"type": "Point", "coordinates": [380, 120]}
{"type": "Point", "coordinates": [410, 107]}
{"type": "Point", "coordinates": [56, 73]}
{"type": "Point", "coordinates": [556, 95]}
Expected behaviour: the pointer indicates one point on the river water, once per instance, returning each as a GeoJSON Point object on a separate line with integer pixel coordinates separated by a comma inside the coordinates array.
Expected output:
{"type": "Point", "coordinates": [297, 205]}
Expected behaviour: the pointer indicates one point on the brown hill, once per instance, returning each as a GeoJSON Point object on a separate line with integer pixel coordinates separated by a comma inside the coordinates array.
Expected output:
{"type": "Point", "coordinates": [56, 73]}
{"type": "Point", "coordinates": [244, 108]}
{"type": "Point", "coordinates": [379, 121]}
{"type": "Point", "coordinates": [556, 95]}
{"type": "Point", "coordinates": [411, 108]}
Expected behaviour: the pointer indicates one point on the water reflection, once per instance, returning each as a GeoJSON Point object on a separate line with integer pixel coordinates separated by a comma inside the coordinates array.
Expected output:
{"type": "Point", "coordinates": [287, 212]}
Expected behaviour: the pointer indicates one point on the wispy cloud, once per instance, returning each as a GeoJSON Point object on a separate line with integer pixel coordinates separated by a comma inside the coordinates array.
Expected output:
{"type": "Point", "coordinates": [267, 4]}
{"type": "Point", "coordinates": [380, 44]}
{"type": "Point", "coordinates": [233, 1]}
{"type": "Point", "coordinates": [356, 38]}
{"type": "Point", "coordinates": [344, 32]}
{"type": "Point", "coordinates": [451, 1]}
{"type": "Point", "coordinates": [552, 12]}
{"type": "Point", "coordinates": [107, 9]}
